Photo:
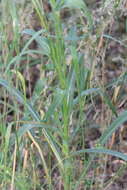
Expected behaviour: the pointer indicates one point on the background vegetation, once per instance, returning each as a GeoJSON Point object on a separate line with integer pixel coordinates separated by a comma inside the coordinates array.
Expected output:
{"type": "Point", "coordinates": [63, 94]}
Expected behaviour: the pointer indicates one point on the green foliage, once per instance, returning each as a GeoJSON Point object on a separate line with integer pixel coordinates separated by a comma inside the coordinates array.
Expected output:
{"type": "Point", "coordinates": [49, 128]}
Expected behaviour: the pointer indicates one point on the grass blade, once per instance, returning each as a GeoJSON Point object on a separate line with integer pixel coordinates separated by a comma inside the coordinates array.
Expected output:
{"type": "Point", "coordinates": [40, 40]}
{"type": "Point", "coordinates": [86, 93]}
{"type": "Point", "coordinates": [34, 115]}
{"type": "Point", "coordinates": [20, 98]}
{"type": "Point", "coordinates": [58, 98]}
{"type": "Point", "coordinates": [102, 151]}
{"type": "Point", "coordinates": [113, 127]}
{"type": "Point", "coordinates": [109, 103]}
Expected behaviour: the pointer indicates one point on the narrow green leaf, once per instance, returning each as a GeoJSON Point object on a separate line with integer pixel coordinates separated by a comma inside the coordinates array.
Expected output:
{"type": "Point", "coordinates": [101, 151]}
{"type": "Point", "coordinates": [114, 39]}
{"type": "Point", "coordinates": [20, 98]}
{"type": "Point", "coordinates": [34, 115]}
{"type": "Point", "coordinates": [86, 93]}
{"type": "Point", "coordinates": [113, 127]}
{"type": "Point", "coordinates": [7, 136]}
{"type": "Point", "coordinates": [74, 3]}
{"type": "Point", "coordinates": [17, 58]}
{"type": "Point", "coordinates": [42, 42]}
{"type": "Point", "coordinates": [27, 127]}
{"type": "Point", "coordinates": [109, 103]}
{"type": "Point", "coordinates": [58, 98]}
{"type": "Point", "coordinates": [70, 90]}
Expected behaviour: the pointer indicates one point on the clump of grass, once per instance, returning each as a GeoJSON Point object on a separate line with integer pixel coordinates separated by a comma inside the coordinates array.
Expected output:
{"type": "Point", "coordinates": [47, 128]}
